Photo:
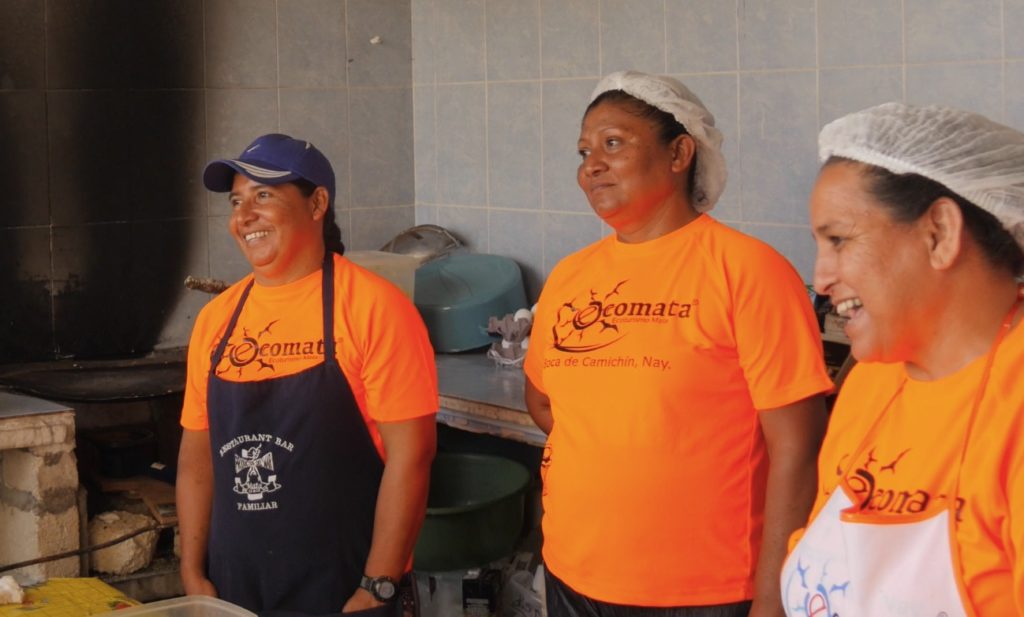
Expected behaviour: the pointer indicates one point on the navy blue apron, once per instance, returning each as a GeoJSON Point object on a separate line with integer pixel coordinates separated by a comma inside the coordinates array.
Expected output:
{"type": "Point", "coordinates": [296, 476]}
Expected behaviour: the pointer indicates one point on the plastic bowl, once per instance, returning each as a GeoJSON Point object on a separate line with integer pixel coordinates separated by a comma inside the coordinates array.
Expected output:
{"type": "Point", "coordinates": [457, 295]}
{"type": "Point", "coordinates": [188, 606]}
{"type": "Point", "coordinates": [474, 512]}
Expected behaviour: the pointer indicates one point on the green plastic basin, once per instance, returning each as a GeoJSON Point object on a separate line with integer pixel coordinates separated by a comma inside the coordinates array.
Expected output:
{"type": "Point", "coordinates": [458, 294]}
{"type": "Point", "coordinates": [474, 512]}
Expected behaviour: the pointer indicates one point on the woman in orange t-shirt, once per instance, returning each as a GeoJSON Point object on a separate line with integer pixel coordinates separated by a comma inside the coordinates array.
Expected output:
{"type": "Point", "coordinates": [309, 407]}
{"type": "Point", "coordinates": [918, 215]}
{"type": "Point", "coordinates": [677, 368]}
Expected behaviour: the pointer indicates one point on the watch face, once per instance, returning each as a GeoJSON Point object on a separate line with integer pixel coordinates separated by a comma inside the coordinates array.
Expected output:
{"type": "Point", "coordinates": [384, 589]}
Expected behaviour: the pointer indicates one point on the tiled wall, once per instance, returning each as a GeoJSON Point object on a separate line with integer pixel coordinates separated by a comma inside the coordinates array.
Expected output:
{"type": "Point", "coordinates": [109, 110]}
{"type": "Point", "coordinates": [499, 88]}
{"type": "Point", "coordinates": [108, 113]}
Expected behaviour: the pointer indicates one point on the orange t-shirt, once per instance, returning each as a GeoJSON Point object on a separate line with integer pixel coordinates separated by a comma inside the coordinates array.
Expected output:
{"type": "Point", "coordinates": [656, 357]}
{"type": "Point", "coordinates": [909, 464]}
{"type": "Point", "coordinates": [380, 342]}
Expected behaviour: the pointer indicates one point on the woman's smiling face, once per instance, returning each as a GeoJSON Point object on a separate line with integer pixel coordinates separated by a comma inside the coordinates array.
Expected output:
{"type": "Point", "coordinates": [869, 264]}
{"type": "Point", "coordinates": [278, 229]}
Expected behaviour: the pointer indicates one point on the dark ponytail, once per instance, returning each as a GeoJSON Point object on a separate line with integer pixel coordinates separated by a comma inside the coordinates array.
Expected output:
{"type": "Point", "coordinates": [332, 233]}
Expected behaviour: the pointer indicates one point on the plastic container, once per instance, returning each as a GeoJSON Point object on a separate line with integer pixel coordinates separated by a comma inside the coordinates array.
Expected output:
{"type": "Point", "coordinates": [188, 606]}
{"type": "Point", "coordinates": [399, 269]}
{"type": "Point", "coordinates": [474, 512]}
{"type": "Point", "coordinates": [458, 294]}
{"type": "Point", "coordinates": [440, 594]}
{"type": "Point", "coordinates": [520, 598]}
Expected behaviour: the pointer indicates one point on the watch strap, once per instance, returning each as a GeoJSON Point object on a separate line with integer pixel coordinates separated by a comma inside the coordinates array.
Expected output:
{"type": "Point", "coordinates": [373, 585]}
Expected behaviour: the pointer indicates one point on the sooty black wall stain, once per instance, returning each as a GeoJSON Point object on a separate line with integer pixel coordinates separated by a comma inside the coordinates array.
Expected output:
{"type": "Point", "coordinates": [25, 308]}
{"type": "Point", "coordinates": [98, 174]}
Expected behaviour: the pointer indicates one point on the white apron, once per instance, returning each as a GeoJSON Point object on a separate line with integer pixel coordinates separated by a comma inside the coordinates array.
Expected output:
{"type": "Point", "coordinates": [854, 564]}
{"type": "Point", "coordinates": [858, 565]}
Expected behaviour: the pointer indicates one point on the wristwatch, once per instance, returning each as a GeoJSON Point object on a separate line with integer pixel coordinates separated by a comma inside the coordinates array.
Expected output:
{"type": "Point", "coordinates": [382, 587]}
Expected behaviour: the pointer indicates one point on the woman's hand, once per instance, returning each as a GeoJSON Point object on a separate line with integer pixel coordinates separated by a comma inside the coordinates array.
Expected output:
{"type": "Point", "coordinates": [194, 496]}
{"type": "Point", "coordinates": [198, 585]}
{"type": "Point", "coordinates": [539, 406]}
{"type": "Point", "coordinates": [792, 436]}
{"type": "Point", "coordinates": [361, 600]}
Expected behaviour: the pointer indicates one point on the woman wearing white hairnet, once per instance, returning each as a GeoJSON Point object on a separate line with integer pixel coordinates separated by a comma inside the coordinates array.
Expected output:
{"type": "Point", "coordinates": [918, 215]}
{"type": "Point", "coordinates": [677, 368]}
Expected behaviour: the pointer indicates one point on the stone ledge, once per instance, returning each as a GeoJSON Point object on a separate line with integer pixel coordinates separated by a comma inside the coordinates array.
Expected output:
{"type": "Point", "coordinates": [38, 430]}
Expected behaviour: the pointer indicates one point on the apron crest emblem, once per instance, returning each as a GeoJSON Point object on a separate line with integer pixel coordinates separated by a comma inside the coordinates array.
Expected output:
{"type": "Point", "coordinates": [252, 485]}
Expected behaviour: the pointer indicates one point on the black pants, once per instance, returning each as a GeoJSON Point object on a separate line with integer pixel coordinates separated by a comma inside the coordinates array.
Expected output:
{"type": "Point", "coordinates": [562, 601]}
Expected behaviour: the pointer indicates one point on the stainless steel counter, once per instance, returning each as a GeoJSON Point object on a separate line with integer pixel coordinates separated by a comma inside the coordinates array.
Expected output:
{"type": "Point", "coordinates": [479, 396]}
{"type": "Point", "coordinates": [17, 405]}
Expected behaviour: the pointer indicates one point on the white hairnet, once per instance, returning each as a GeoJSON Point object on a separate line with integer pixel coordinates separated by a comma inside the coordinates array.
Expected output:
{"type": "Point", "coordinates": [672, 97]}
{"type": "Point", "coordinates": [977, 159]}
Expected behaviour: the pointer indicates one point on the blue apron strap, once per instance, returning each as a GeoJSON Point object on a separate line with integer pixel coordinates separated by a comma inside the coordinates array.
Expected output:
{"type": "Point", "coordinates": [222, 345]}
{"type": "Point", "coordinates": [328, 301]}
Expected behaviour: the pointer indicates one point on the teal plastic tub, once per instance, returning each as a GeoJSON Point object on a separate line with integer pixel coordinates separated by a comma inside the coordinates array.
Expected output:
{"type": "Point", "coordinates": [456, 296]}
{"type": "Point", "coordinates": [474, 512]}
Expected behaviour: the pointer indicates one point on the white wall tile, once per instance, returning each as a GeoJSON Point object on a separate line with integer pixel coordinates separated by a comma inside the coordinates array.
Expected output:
{"type": "Point", "coordinates": [388, 61]}
{"type": "Point", "coordinates": [513, 39]}
{"type": "Point", "coordinates": [241, 43]}
{"type": "Point", "coordinates": [312, 42]}
{"type": "Point", "coordinates": [975, 87]}
{"type": "Point", "coordinates": [426, 215]}
{"type": "Point", "coordinates": [372, 228]}
{"type": "Point", "coordinates": [862, 32]}
{"type": "Point", "coordinates": [380, 124]}
{"type": "Point", "coordinates": [776, 34]}
{"type": "Point", "coordinates": [462, 144]}
{"type": "Point", "coordinates": [569, 38]}
{"type": "Point", "coordinates": [778, 141]}
{"type": "Point", "coordinates": [700, 35]}
{"type": "Point", "coordinates": [459, 47]}
{"type": "Point", "coordinates": [236, 117]}
{"type": "Point", "coordinates": [847, 90]}
{"type": "Point", "coordinates": [1015, 95]}
{"type": "Point", "coordinates": [519, 235]}
{"type": "Point", "coordinates": [425, 146]}
{"type": "Point", "coordinates": [469, 225]}
{"type": "Point", "coordinates": [424, 37]}
{"type": "Point", "coordinates": [1013, 26]}
{"type": "Point", "coordinates": [947, 30]}
{"type": "Point", "coordinates": [632, 36]}
{"type": "Point", "coordinates": [514, 145]}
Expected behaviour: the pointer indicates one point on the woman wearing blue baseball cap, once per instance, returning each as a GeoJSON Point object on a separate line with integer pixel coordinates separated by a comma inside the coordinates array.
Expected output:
{"type": "Point", "coordinates": [309, 408]}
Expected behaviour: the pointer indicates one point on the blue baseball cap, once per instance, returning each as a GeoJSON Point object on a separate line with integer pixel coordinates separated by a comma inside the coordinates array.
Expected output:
{"type": "Point", "coordinates": [272, 159]}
